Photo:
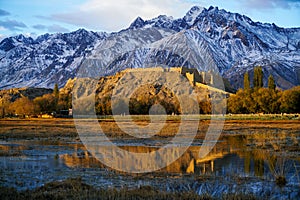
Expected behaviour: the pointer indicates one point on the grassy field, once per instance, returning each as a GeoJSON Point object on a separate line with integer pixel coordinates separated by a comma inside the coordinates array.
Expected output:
{"type": "Point", "coordinates": [208, 117]}
{"type": "Point", "coordinates": [65, 129]}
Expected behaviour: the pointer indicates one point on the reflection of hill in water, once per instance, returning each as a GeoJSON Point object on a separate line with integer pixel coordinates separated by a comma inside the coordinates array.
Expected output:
{"type": "Point", "coordinates": [6, 148]}
{"type": "Point", "coordinates": [225, 155]}
{"type": "Point", "coordinates": [235, 158]}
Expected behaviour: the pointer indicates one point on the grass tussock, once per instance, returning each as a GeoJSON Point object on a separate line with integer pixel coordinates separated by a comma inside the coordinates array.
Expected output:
{"type": "Point", "coordinates": [76, 189]}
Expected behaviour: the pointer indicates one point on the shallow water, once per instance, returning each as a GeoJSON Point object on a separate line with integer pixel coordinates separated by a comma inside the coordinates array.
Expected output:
{"type": "Point", "coordinates": [235, 164]}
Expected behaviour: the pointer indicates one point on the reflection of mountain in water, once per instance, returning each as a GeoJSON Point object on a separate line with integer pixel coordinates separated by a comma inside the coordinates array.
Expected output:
{"type": "Point", "coordinates": [227, 157]}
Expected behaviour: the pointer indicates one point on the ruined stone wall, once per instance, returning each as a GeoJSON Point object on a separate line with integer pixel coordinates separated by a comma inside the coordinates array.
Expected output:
{"type": "Point", "coordinates": [192, 75]}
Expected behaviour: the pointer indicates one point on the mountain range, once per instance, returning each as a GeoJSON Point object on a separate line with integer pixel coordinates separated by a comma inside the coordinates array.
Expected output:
{"type": "Point", "coordinates": [206, 39]}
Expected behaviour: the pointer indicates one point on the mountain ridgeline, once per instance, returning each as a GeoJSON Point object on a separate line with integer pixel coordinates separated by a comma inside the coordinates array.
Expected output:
{"type": "Point", "coordinates": [233, 43]}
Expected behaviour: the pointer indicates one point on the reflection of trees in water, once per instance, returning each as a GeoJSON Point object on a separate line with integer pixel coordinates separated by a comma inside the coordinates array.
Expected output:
{"type": "Point", "coordinates": [237, 153]}
{"type": "Point", "coordinates": [259, 167]}
{"type": "Point", "coordinates": [273, 148]}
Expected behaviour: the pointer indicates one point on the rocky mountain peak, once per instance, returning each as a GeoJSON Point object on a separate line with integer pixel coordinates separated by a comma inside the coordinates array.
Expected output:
{"type": "Point", "coordinates": [7, 44]}
{"type": "Point", "coordinates": [192, 14]}
{"type": "Point", "coordinates": [137, 23]}
{"type": "Point", "coordinates": [234, 42]}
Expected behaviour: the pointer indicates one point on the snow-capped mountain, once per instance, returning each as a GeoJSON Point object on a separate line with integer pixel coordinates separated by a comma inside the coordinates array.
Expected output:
{"type": "Point", "coordinates": [202, 39]}
{"type": "Point", "coordinates": [47, 60]}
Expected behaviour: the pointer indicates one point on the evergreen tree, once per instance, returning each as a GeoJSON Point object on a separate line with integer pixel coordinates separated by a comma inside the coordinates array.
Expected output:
{"type": "Point", "coordinates": [258, 77]}
{"type": "Point", "coordinates": [246, 81]}
{"type": "Point", "coordinates": [271, 83]}
{"type": "Point", "coordinates": [4, 104]}
{"type": "Point", "coordinates": [56, 91]}
{"type": "Point", "coordinates": [56, 97]}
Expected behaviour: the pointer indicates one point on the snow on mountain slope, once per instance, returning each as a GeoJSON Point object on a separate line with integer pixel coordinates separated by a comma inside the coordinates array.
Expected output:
{"type": "Point", "coordinates": [45, 61]}
{"type": "Point", "coordinates": [232, 42]}
{"type": "Point", "coordinates": [237, 44]}
{"type": "Point", "coordinates": [108, 51]}
{"type": "Point", "coordinates": [180, 49]}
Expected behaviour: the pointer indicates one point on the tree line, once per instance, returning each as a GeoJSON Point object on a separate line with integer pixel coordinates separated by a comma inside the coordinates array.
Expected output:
{"type": "Point", "coordinates": [258, 99]}
{"type": "Point", "coordinates": [56, 102]}
{"type": "Point", "coordinates": [253, 98]}
{"type": "Point", "coordinates": [46, 104]}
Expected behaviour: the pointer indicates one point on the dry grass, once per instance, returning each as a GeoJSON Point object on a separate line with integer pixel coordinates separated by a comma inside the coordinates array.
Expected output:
{"type": "Point", "coordinates": [37, 129]}
{"type": "Point", "coordinates": [54, 129]}
{"type": "Point", "coordinates": [76, 189]}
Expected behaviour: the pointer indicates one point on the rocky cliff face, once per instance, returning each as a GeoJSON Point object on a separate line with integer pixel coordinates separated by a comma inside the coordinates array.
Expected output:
{"type": "Point", "coordinates": [11, 95]}
{"type": "Point", "coordinates": [228, 42]}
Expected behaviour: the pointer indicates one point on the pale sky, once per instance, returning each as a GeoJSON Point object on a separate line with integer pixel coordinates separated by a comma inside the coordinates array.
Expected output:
{"type": "Point", "coordinates": [36, 17]}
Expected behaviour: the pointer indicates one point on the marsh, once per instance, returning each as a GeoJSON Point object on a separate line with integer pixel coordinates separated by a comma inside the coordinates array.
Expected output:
{"type": "Point", "coordinates": [252, 157]}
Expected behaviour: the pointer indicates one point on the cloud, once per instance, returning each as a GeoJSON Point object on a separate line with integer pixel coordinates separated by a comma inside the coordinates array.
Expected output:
{"type": "Point", "coordinates": [2, 28]}
{"type": "Point", "coordinates": [39, 27]}
{"type": "Point", "coordinates": [3, 13]}
{"type": "Point", "coordinates": [267, 4]}
{"type": "Point", "coordinates": [54, 28]}
{"type": "Point", "coordinates": [112, 15]}
{"type": "Point", "coordinates": [57, 29]}
{"type": "Point", "coordinates": [12, 25]}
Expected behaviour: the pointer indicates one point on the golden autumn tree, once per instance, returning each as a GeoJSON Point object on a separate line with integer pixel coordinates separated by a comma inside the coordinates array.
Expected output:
{"type": "Point", "coordinates": [46, 103]}
{"type": "Point", "coordinates": [22, 106]}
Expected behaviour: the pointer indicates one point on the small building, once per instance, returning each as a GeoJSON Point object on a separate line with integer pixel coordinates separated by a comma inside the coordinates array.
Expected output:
{"type": "Point", "coordinates": [70, 112]}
